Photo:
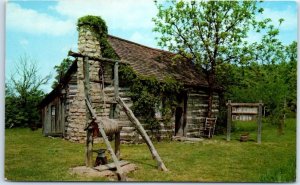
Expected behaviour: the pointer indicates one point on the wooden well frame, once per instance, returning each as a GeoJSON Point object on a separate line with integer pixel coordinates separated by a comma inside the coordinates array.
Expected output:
{"type": "Point", "coordinates": [259, 117]}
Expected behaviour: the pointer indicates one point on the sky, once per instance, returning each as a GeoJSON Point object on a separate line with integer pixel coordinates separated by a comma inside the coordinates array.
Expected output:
{"type": "Point", "coordinates": [46, 30]}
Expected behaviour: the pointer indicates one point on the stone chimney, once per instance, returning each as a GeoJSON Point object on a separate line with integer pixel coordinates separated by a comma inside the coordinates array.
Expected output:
{"type": "Point", "coordinates": [88, 43]}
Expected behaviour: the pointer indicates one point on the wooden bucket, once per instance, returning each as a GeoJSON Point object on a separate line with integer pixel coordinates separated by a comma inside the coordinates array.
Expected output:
{"type": "Point", "coordinates": [110, 126]}
{"type": "Point", "coordinates": [244, 137]}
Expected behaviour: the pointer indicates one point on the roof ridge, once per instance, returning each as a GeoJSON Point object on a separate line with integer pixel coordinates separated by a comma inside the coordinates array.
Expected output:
{"type": "Point", "coordinates": [160, 50]}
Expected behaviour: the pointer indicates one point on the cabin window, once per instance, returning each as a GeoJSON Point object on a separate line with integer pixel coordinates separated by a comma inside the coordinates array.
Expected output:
{"type": "Point", "coordinates": [164, 109]}
{"type": "Point", "coordinates": [112, 72]}
{"type": "Point", "coordinates": [158, 108]}
{"type": "Point", "coordinates": [53, 110]}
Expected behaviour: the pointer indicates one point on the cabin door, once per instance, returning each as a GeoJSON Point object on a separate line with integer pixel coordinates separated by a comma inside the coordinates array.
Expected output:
{"type": "Point", "coordinates": [57, 118]}
{"type": "Point", "coordinates": [180, 116]}
{"type": "Point", "coordinates": [178, 121]}
{"type": "Point", "coordinates": [53, 118]}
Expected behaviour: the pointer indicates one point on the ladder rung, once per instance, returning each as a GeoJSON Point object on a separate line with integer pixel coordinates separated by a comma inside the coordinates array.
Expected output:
{"type": "Point", "coordinates": [111, 102]}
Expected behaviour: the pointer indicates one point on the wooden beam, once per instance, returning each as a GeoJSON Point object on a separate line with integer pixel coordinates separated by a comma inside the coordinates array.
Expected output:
{"type": "Point", "coordinates": [116, 88]}
{"type": "Point", "coordinates": [117, 144]}
{"type": "Point", "coordinates": [116, 108]}
{"type": "Point", "coordinates": [89, 137]}
{"type": "Point", "coordinates": [143, 133]}
{"type": "Point", "coordinates": [89, 149]}
{"type": "Point", "coordinates": [110, 166]}
{"type": "Point", "coordinates": [121, 176]}
{"type": "Point", "coordinates": [86, 70]}
{"type": "Point", "coordinates": [100, 59]}
{"type": "Point", "coordinates": [259, 122]}
{"type": "Point", "coordinates": [229, 119]}
{"type": "Point", "coordinates": [245, 113]}
{"type": "Point", "coordinates": [244, 104]}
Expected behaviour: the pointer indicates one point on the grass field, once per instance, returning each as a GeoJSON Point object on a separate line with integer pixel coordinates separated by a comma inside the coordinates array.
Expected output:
{"type": "Point", "coordinates": [31, 157]}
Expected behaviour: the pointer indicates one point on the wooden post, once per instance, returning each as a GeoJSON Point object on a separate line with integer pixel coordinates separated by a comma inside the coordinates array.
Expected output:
{"type": "Point", "coordinates": [229, 119]}
{"type": "Point", "coordinates": [120, 174]}
{"type": "Point", "coordinates": [116, 88]}
{"type": "Point", "coordinates": [143, 133]}
{"type": "Point", "coordinates": [89, 137]}
{"type": "Point", "coordinates": [86, 68]}
{"type": "Point", "coordinates": [63, 116]}
{"type": "Point", "coordinates": [117, 144]}
{"type": "Point", "coordinates": [259, 123]}
{"type": "Point", "coordinates": [185, 107]}
{"type": "Point", "coordinates": [116, 109]}
{"type": "Point", "coordinates": [89, 149]}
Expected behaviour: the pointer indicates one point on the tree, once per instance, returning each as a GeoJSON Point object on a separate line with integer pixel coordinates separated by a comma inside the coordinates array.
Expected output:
{"type": "Point", "coordinates": [209, 33]}
{"type": "Point", "coordinates": [61, 69]}
{"type": "Point", "coordinates": [23, 94]}
{"type": "Point", "coordinates": [290, 75]}
{"type": "Point", "coordinates": [271, 79]}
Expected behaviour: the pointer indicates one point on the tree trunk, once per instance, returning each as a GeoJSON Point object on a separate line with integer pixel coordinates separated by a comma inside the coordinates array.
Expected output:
{"type": "Point", "coordinates": [210, 102]}
{"type": "Point", "coordinates": [280, 124]}
{"type": "Point", "coordinates": [211, 83]}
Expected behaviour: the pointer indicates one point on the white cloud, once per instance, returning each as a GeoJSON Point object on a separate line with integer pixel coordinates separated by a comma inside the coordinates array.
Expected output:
{"type": "Point", "coordinates": [125, 14]}
{"type": "Point", "coordinates": [33, 22]}
{"type": "Point", "coordinates": [24, 42]}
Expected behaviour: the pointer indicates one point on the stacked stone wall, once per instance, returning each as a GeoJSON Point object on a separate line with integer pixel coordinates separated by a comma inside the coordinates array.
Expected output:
{"type": "Point", "coordinates": [88, 43]}
{"type": "Point", "coordinates": [76, 111]}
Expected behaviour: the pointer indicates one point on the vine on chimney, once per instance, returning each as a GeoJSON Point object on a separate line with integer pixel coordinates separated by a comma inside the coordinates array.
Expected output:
{"type": "Point", "coordinates": [98, 27]}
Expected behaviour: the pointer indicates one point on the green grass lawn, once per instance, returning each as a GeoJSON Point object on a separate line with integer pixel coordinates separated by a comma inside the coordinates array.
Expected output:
{"type": "Point", "coordinates": [31, 157]}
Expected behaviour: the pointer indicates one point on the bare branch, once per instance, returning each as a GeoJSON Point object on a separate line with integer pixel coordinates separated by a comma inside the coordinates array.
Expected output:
{"type": "Point", "coordinates": [26, 78]}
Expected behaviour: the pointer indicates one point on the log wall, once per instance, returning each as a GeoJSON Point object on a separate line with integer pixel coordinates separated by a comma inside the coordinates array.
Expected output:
{"type": "Point", "coordinates": [197, 111]}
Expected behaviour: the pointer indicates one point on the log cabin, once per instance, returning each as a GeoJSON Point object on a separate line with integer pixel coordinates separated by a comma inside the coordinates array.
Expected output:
{"type": "Point", "coordinates": [64, 111]}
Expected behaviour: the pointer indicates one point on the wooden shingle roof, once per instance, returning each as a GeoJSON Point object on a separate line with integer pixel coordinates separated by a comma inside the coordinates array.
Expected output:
{"type": "Point", "coordinates": [155, 62]}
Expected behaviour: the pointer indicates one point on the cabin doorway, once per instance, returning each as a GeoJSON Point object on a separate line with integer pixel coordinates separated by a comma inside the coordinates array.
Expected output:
{"type": "Point", "coordinates": [180, 115]}
{"type": "Point", "coordinates": [56, 119]}
{"type": "Point", "coordinates": [53, 118]}
{"type": "Point", "coordinates": [178, 121]}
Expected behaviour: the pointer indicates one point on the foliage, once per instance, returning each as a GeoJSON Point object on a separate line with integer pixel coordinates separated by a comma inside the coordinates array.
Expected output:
{"type": "Point", "coordinates": [147, 94]}
{"type": "Point", "coordinates": [216, 160]}
{"type": "Point", "coordinates": [61, 69]}
{"type": "Point", "coordinates": [209, 33]}
{"type": "Point", "coordinates": [272, 79]}
{"type": "Point", "coordinates": [98, 27]}
{"type": "Point", "coordinates": [23, 95]}
{"type": "Point", "coordinates": [290, 75]}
